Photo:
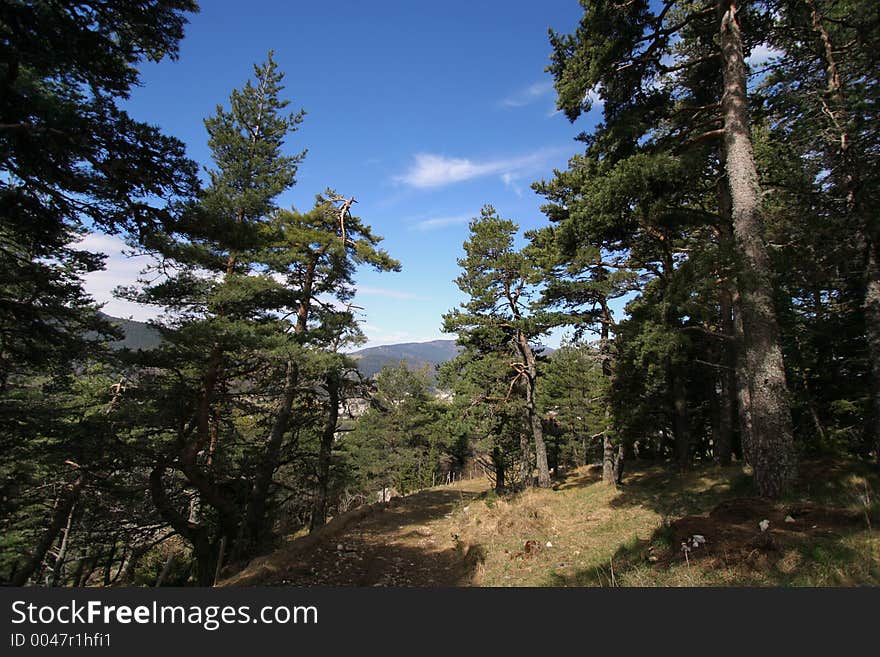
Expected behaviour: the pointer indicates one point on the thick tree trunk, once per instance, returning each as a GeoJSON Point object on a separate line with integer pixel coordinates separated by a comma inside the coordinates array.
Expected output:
{"type": "Point", "coordinates": [609, 460]}
{"type": "Point", "coordinates": [319, 508]}
{"type": "Point", "coordinates": [772, 448]}
{"type": "Point", "coordinates": [498, 464]}
{"type": "Point", "coordinates": [63, 507]}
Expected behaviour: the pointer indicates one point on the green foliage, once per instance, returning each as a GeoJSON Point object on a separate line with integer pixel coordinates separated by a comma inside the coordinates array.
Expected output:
{"type": "Point", "coordinates": [574, 395]}
{"type": "Point", "coordinates": [399, 442]}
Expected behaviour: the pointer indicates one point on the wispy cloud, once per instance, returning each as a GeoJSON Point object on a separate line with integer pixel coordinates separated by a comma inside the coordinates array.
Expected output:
{"type": "Point", "coordinates": [384, 292]}
{"type": "Point", "coordinates": [440, 222]}
{"type": "Point", "coordinates": [431, 170]}
{"type": "Point", "coordinates": [527, 95]}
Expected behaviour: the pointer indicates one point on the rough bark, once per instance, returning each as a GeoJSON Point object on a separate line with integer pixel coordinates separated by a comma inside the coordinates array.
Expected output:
{"type": "Point", "coordinates": [63, 507]}
{"type": "Point", "coordinates": [772, 448]}
{"type": "Point", "coordinates": [319, 507]}
{"type": "Point", "coordinates": [609, 460]}
{"type": "Point", "coordinates": [498, 464]}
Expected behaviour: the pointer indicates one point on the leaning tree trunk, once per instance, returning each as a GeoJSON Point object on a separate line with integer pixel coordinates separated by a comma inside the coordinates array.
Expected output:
{"type": "Point", "coordinates": [772, 448]}
{"type": "Point", "coordinates": [60, 560]}
{"type": "Point", "coordinates": [204, 550]}
{"type": "Point", "coordinates": [63, 508]}
{"type": "Point", "coordinates": [319, 507]}
{"type": "Point", "coordinates": [259, 495]}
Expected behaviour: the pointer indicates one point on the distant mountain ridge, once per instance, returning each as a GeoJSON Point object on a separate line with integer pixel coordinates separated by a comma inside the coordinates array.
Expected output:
{"type": "Point", "coordinates": [416, 355]}
{"type": "Point", "coordinates": [138, 335]}
{"type": "Point", "coordinates": [370, 361]}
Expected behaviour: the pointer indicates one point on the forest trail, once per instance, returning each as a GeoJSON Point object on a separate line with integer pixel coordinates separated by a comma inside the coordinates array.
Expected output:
{"type": "Point", "coordinates": [406, 542]}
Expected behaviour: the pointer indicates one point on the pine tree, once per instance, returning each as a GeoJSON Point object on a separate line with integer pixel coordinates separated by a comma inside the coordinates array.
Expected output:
{"type": "Point", "coordinates": [71, 162]}
{"type": "Point", "coordinates": [499, 280]}
{"type": "Point", "coordinates": [673, 114]}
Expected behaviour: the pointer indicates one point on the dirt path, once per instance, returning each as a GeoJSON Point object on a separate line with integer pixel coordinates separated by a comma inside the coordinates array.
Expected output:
{"type": "Point", "coordinates": [407, 542]}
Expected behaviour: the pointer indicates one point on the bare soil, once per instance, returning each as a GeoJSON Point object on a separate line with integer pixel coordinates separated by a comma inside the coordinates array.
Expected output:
{"type": "Point", "coordinates": [733, 532]}
{"type": "Point", "coordinates": [404, 542]}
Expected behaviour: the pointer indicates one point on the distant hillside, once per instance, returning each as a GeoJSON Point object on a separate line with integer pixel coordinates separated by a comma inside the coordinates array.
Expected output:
{"type": "Point", "coordinates": [138, 335]}
{"type": "Point", "coordinates": [415, 354]}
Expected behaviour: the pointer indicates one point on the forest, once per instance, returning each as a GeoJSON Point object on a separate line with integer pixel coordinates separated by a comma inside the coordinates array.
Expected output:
{"type": "Point", "coordinates": [711, 253]}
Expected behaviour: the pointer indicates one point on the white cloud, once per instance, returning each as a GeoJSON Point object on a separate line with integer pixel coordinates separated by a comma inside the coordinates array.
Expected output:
{"type": "Point", "coordinates": [762, 54]}
{"type": "Point", "coordinates": [430, 170]}
{"type": "Point", "coordinates": [120, 269]}
{"type": "Point", "coordinates": [526, 96]}
{"type": "Point", "coordinates": [440, 222]}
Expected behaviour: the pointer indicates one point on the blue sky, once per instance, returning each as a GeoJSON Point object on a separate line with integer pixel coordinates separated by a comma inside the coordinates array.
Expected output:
{"type": "Point", "coordinates": [422, 111]}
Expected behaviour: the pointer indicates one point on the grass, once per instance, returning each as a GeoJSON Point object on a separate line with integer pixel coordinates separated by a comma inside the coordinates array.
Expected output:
{"type": "Point", "coordinates": [585, 533]}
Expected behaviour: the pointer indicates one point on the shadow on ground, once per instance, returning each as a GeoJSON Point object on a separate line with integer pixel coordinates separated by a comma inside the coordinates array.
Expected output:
{"type": "Point", "coordinates": [398, 543]}
{"type": "Point", "coordinates": [715, 531]}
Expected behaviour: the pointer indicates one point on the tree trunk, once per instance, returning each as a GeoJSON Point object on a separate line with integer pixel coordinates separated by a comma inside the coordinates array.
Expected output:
{"type": "Point", "coordinates": [872, 322]}
{"type": "Point", "coordinates": [319, 508]}
{"type": "Point", "coordinates": [108, 565]}
{"type": "Point", "coordinates": [727, 385]}
{"type": "Point", "coordinates": [525, 450]}
{"type": "Point", "coordinates": [772, 448]}
{"type": "Point", "coordinates": [608, 460]}
{"type": "Point", "coordinates": [203, 550]}
{"type": "Point", "coordinates": [63, 507]}
{"type": "Point", "coordinates": [498, 464]}
{"type": "Point", "coordinates": [534, 419]}
{"type": "Point", "coordinates": [259, 495]}
{"type": "Point", "coordinates": [58, 566]}
{"type": "Point", "coordinates": [741, 380]}
{"type": "Point", "coordinates": [681, 422]}
{"type": "Point", "coordinates": [618, 466]}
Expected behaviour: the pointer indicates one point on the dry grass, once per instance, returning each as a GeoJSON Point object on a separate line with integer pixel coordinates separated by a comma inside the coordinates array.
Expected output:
{"type": "Point", "coordinates": [584, 533]}
{"type": "Point", "coordinates": [587, 533]}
